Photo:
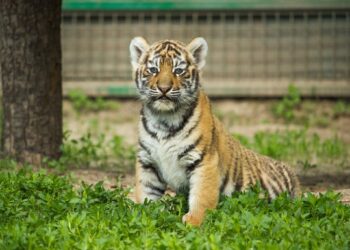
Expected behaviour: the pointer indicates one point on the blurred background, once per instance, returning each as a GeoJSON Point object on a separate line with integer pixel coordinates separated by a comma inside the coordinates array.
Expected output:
{"type": "Point", "coordinates": [278, 74]}
{"type": "Point", "coordinates": [256, 48]}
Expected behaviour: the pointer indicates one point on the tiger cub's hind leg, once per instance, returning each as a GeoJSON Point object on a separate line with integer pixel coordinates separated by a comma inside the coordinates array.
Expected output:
{"type": "Point", "coordinates": [149, 184]}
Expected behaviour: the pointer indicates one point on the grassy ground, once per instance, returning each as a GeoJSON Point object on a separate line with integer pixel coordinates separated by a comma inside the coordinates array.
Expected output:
{"type": "Point", "coordinates": [45, 211]}
{"type": "Point", "coordinates": [40, 211]}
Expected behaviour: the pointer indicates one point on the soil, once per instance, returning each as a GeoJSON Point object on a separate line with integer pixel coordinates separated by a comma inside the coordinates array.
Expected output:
{"type": "Point", "coordinates": [244, 117]}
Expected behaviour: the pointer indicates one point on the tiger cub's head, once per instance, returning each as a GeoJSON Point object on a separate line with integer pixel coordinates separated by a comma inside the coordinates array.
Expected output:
{"type": "Point", "coordinates": [167, 72]}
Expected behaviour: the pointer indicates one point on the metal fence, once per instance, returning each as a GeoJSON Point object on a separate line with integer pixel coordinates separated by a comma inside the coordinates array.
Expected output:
{"type": "Point", "coordinates": [257, 47]}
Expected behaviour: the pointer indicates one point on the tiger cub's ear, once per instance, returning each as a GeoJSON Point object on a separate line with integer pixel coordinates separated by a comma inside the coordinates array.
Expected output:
{"type": "Point", "coordinates": [198, 48]}
{"type": "Point", "coordinates": [137, 47]}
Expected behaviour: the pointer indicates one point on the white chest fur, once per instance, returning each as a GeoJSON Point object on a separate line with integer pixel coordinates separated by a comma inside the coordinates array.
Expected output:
{"type": "Point", "coordinates": [165, 156]}
{"type": "Point", "coordinates": [166, 153]}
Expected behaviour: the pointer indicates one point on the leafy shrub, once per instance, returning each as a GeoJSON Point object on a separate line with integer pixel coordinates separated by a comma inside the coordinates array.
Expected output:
{"type": "Point", "coordinates": [40, 211]}
{"type": "Point", "coordinates": [81, 102]}
{"type": "Point", "coordinates": [297, 145]}
{"type": "Point", "coordinates": [341, 108]}
{"type": "Point", "coordinates": [126, 155]}
{"type": "Point", "coordinates": [87, 152]}
{"type": "Point", "coordinates": [7, 164]}
{"type": "Point", "coordinates": [286, 107]}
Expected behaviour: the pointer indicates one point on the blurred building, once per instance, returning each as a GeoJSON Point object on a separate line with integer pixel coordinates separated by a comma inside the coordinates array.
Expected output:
{"type": "Point", "coordinates": [256, 48]}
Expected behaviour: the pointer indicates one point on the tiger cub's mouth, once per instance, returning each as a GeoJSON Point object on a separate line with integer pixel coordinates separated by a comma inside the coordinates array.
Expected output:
{"type": "Point", "coordinates": [164, 98]}
{"type": "Point", "coordinates": [164, 103]}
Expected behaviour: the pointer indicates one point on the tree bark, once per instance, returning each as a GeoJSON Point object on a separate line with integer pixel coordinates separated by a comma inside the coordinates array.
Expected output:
{"type": "Point", "coordinates": [30, 55]}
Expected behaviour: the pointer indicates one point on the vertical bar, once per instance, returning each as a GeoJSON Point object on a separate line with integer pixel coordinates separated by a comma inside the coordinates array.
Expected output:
{"type": "Point", "coordinates": [321, 74]}
{"type": "Point", "coordinates": [101, 49]}
{"type": "Point", "coordinates": [251, 45]}
{"type": "Point", "coordinates": [279, 57]}
{"type": "Point", "coordinates": [223, 49]}
{"type": "Point", "coordinates": [306, 58]}
{"type": "Point", "coordinates": [154, 23]}
{"type": "Point", "coordinates": [168, 26]}
{"type": "Point", "coordinates": [239, 50]}
{"type": "Point", "coordinates": [89, 44]}
{"type": "Point", "coordinates": [141, 24]}
{"type": "Point", "coordinates": [264, 60]}
{"type": "Point", "coordinates": [293, 48]}
{"type": "Point", "coordinates": [115, 46]}
{"type": "Point", "coordinates": [213, 70]}
{"type": "Point", "coordinates": [76, 44]}
{"type": "Point", "coordinates": [182, 23]}
{"type": "Point", "coordinates": [334, 50]}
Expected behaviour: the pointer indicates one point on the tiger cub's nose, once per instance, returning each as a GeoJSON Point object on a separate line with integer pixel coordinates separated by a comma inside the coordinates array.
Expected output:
{"type": "Point", "coordinates": [164, 88]}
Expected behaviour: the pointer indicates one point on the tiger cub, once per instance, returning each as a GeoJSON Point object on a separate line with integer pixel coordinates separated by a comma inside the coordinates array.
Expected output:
{"type": "Point", "coordinates": [182, 145]}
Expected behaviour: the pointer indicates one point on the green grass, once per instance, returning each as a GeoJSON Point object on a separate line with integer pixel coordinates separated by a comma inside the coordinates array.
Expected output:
{"type": "Point", "coordinates": [298, 146]}
{"type": "Point", "coordinates": [40, 211]}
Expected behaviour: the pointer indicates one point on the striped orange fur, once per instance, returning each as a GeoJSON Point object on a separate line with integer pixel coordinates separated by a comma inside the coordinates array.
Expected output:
{"type": "Point", "coordinates": [182, 145]}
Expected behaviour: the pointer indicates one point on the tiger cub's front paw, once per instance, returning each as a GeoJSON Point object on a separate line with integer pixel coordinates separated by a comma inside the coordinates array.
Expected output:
{"type": "Point", "coordinates": [192, 219]}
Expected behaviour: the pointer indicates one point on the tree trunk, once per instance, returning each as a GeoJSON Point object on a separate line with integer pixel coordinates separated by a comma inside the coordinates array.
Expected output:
{"type": "Point", "coordinates": [30, 55]}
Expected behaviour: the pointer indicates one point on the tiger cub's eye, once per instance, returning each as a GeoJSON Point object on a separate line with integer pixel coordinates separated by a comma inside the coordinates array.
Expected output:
{"type": "Point", "coordinates": [153, 70]}
{"type": "Point", "coordinates": [178, 71]}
